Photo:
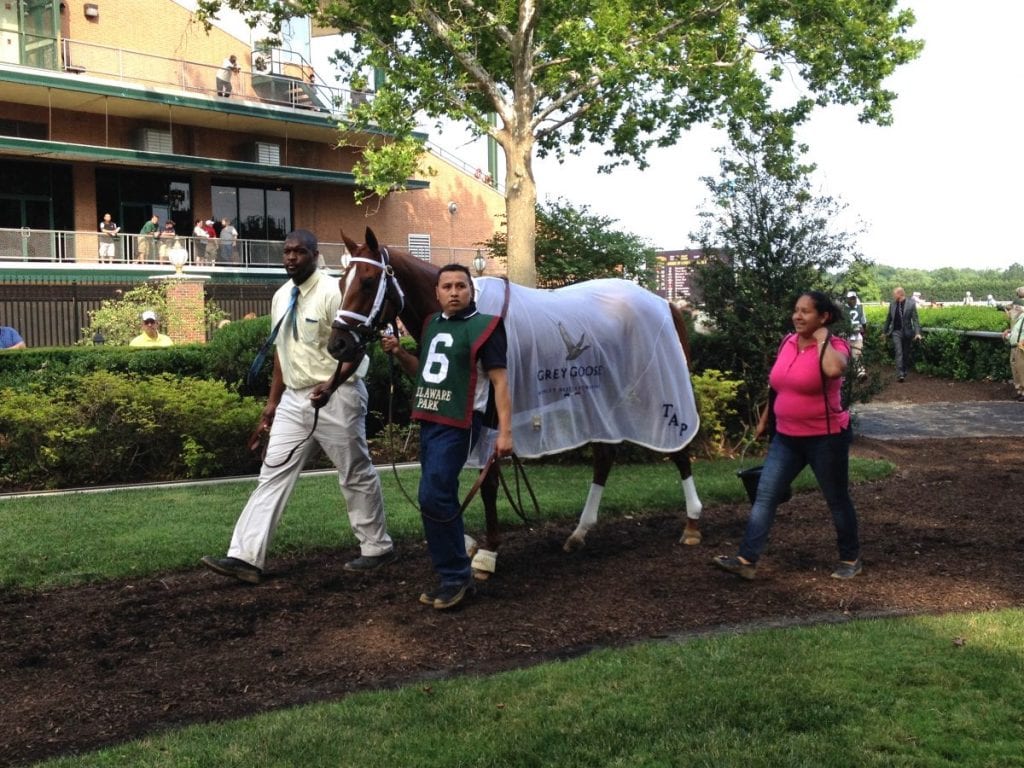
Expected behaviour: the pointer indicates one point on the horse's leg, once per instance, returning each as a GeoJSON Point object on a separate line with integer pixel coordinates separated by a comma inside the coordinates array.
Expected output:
{"type": "Point", "coordinates": [485, 557]}
{"type": "Point", "coordinates": [604, 457]}
{"type": "Point", "coordinates": [691, 532]}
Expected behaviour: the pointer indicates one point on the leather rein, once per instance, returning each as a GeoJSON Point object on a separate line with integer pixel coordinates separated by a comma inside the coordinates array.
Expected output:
{"type": "Point", "coordinates": [367, 330]}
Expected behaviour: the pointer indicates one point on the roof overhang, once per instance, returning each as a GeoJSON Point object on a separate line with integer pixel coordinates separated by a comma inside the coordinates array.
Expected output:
{"type": "Point", "coordinates": [95, 95]}
{"type": "Point", "coordinates": [63, 151]}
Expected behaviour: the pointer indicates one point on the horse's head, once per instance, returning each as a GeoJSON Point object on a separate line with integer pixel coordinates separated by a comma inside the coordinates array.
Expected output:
{"type": "Point", "coordinates": [370, 298]}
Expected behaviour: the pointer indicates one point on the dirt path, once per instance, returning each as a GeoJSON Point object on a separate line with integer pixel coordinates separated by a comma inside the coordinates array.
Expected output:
{"type": "Point", "coordinates": [86, 667]}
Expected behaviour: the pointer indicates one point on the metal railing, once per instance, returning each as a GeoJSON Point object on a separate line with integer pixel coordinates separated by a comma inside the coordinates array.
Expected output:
{"type": "Point", "coordinates": [42, 247]}
{"type": "Point", "coordinates": [278, 77]}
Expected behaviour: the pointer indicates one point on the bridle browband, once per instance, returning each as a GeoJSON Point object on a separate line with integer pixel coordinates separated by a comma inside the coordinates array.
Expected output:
{"type": "Point", "coordinates": [367, 326]}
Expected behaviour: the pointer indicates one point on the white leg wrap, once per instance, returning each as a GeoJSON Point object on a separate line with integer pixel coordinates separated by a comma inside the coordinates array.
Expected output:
{"type": "Point", "coordinates": [588, 518]}
{"type": "Point", "coordinates": [693, 505]}
{"type": "Point", "coordinates": [485, 560]}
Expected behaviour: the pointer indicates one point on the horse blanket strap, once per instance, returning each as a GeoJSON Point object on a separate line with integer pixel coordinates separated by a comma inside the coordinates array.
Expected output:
{"type": "Point", "coordinates": [596, 361]}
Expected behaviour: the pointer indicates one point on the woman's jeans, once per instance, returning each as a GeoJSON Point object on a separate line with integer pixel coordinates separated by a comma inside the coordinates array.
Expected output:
{"type": "Point", "coordinates": [829, 459]}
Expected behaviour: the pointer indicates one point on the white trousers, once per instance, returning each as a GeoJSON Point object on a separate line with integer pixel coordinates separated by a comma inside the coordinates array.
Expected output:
{"type": "Point", "coordinates": [341, 432]}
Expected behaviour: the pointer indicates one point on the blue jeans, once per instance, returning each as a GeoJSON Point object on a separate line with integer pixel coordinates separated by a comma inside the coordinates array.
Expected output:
{"type": "Point", "coordinates": [829, 459]}
{"type": "Point", "coordinates": [443, 452]}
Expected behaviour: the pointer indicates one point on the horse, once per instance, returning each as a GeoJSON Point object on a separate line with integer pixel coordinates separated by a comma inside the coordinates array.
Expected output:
{"type": "Point", "coordinates": [382, 283]}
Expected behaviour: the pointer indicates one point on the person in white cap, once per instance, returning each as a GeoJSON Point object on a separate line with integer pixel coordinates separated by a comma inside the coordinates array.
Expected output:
{"type": "Point", "coordinates": [858, 327]}
{"type": "Point", "coordinates": [150, 336]}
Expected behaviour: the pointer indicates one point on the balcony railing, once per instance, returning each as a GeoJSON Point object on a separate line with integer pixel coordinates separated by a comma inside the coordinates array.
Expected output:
{"type": "Point", "coordinates": [62, 249]}
{"type": "Point", "coordinates": [278, 77]}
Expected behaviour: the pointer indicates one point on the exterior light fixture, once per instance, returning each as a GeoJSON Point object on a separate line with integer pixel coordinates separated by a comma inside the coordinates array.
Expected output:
{"type": "Point", "coordinates": [479, 262]}
{"type": "Point", "coordinates": [91, 10]}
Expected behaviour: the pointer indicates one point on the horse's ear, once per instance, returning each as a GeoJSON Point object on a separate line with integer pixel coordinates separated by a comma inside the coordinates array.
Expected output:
{"type": "Point", "coordinates": [350, 244]}
{"type": "Point", "coordinates": [371, 241]}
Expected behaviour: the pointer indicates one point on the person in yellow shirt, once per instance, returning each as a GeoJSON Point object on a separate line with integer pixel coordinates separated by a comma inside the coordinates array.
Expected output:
{"type": "Point", "coordinates": [150, 336]}
{"type": "Point", "coordinates": [313, 400]}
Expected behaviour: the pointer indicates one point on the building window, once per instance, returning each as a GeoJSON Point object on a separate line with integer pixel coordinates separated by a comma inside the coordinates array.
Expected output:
{"type": "Point", "coordinates": [419, 246]}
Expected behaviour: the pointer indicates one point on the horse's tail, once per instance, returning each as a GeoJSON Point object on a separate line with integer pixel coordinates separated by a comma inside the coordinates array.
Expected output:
{"type": "Point", "coordinates": [679, 321]}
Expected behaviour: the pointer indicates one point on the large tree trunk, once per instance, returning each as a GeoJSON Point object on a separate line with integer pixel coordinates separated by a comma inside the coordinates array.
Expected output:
{"type": "Point", "coordinates": [521, 209]}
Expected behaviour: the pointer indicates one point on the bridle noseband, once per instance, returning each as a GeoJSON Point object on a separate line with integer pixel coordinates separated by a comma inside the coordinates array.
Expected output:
{"type": "Point", "coordinates": [367, 326]}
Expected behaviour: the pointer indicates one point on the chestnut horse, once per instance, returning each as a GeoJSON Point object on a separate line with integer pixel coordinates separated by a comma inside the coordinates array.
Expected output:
{"type": "Point", "coordinates": [381, 283]}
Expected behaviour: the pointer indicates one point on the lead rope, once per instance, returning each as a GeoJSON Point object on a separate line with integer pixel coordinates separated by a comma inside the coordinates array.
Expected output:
{"type": "Point", "coordinates": [519, 471]}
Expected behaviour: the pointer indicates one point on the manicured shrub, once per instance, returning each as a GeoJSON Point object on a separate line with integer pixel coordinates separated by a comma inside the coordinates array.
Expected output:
{"type": "Point", "coordinates": [105, 427]}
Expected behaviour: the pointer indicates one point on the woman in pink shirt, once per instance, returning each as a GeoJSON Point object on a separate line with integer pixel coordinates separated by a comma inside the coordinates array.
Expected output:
{"type": "Point", "coordinates": [811, 428]}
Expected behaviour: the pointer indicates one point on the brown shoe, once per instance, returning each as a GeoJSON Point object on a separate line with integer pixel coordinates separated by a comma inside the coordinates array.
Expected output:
{"type": "Point", "coordinates": [233, 567]}
{"type": "Point", "coordinates": [735, 565]}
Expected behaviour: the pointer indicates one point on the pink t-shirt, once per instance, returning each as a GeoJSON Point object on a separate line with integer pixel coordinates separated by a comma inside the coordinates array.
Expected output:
{"type": "Point", "coordinates": [796, 379]}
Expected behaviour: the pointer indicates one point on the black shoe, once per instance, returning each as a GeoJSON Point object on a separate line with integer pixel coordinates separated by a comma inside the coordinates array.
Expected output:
{"type": "Point", "coordinates": [232, 566]}
{"type": "Point", "coordinates": [450, 595]}
{"type": "Point", "coordinates": [367, 563]}
{"type": "Point", "coordinates": [847, 570]}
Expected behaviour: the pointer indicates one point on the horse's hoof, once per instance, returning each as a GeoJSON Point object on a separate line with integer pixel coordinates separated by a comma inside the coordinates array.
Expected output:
{"type": "Point", "coordinates": [481, 575]}
{"type": "Point", "coordinates": [690, 538]}
{"type": "Point", "coordinates": [573, 543]}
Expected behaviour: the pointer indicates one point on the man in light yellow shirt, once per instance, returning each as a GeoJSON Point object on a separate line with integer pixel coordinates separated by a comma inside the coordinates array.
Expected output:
{"type": "Point", "coordinates": [307, 382]}
{"type": "Point", "coordinates": [150, 336]}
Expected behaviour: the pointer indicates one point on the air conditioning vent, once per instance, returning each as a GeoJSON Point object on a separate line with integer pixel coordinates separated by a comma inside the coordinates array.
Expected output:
{"type": "Point", "coordinates": [264, 152]}
{"type": "Point", "coordinates": [153, 140]}
{"type": "Point", "coordinates": [419, 246]}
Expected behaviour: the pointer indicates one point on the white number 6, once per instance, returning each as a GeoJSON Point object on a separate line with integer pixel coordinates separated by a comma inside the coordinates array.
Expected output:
{"type": "Point", "coordinates": [436, 369]}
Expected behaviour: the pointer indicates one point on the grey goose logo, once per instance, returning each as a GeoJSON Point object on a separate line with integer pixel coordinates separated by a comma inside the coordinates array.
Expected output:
{"type": "Point", "coordinates": [573, 349]}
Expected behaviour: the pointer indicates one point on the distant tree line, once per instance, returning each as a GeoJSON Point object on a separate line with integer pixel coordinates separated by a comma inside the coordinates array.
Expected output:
{"type": "Point", "coordinates": [946, 285]}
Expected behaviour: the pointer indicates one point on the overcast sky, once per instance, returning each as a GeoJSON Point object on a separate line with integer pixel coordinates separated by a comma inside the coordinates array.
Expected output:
{"type": "Point", "coordinates": [938, 188]}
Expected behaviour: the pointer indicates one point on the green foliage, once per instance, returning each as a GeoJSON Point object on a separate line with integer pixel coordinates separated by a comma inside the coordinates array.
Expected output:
{"type": "Point", "coordinates": [946, 350]}
{"type": "Point", "coordinates": [575, 245]}
{"type": "Point", "coordinates": [233, 349]}
{"type": "Point", "coordinates": [117, 321]}
{"type": "Point", "coordinates": [50, 368]}
{"type": "Point", "coordinates": [771, 239]}
{"type": "Point", "coordinates": [565, 76]}
{"type": "Point", "coordinates": [948, 285]}
{"type": "Point", "coordinates": [716, 396]}
{"type": "Point", "coordinates": [105, 427]}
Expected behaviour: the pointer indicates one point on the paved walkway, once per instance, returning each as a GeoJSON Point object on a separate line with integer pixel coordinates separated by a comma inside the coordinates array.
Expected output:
{"type": "Point", "coordinates": [899, 421]}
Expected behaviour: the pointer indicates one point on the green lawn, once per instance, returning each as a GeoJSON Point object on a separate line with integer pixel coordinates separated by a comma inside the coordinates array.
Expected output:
{"type": "Point", "coordinates": [62, 539]}
{"type": "Point", "coordinates": [869, 693]}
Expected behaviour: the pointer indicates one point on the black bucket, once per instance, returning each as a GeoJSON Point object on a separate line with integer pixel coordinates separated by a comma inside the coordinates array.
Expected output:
{"type": "Point", "coordinates": [751, 477]}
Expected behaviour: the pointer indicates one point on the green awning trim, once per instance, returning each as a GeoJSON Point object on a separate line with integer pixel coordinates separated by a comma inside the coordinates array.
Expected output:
{"type": "Point", "coordinates": [59, 150]}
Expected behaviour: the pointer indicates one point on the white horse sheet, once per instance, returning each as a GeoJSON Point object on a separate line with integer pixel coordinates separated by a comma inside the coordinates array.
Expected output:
{"type": "Point", "coordinates": [598, 361]}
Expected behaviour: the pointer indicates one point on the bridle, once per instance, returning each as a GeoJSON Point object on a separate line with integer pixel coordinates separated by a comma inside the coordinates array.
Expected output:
{"type": "Point", "coordinates": [367, 327]}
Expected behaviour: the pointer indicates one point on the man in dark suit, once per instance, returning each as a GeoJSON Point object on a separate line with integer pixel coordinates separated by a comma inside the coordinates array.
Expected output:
{"type": "Point", "coordinates": [903, 326]}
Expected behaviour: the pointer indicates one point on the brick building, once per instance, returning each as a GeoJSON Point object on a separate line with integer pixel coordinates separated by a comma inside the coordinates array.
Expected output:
{"type": "Point", "coordinates": [112, 107]}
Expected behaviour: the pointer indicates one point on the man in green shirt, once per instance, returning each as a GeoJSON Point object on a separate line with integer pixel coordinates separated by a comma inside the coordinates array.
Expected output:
{"type": "Point", "coordinates": [147, 237]}
{"type": "Point", "coordinates": [462, 355]}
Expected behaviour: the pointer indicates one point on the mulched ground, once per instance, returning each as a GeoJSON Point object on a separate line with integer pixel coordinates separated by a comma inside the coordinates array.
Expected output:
{"type": "Point", "coordinates": [92, 666]}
